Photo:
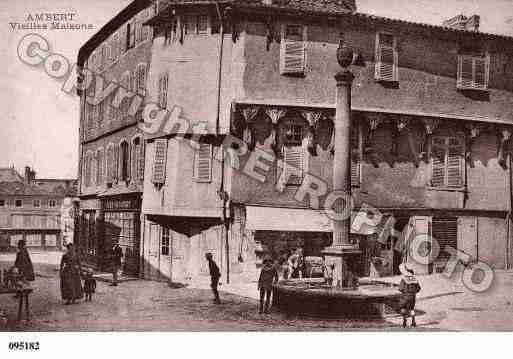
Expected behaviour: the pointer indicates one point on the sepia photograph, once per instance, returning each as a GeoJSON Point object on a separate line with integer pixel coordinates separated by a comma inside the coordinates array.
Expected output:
{"type": "Point", "coordinates": [255, 166]}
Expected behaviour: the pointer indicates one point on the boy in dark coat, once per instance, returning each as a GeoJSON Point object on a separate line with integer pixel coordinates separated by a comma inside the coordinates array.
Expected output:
{"type": "Point", "coordinates": [409, 287]}
{"type": "Point", "coordinates": [268, 276]}
{"type": "Point", "coordinates": [89, 286]}
{"type": "Point", "coordinates": [23, 263]}
{"type": "Point", "coordinates": [215, 274]}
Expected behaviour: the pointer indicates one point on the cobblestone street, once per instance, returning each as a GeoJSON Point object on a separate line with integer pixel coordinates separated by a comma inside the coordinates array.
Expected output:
{"type": "Point", "coordinates": [142, 305]}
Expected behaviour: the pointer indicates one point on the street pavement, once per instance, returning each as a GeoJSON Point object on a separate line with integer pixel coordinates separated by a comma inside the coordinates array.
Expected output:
{"type": "Point", "coordinates": [443, 304]}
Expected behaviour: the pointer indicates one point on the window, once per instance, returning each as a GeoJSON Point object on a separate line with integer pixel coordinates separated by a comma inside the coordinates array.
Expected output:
{"type": "Point", "coordinates": [137, 159]}
{"type": "Point", "coordinates": [165, 242]}
{"type": "Point", "coordinates": [130, 35]}
{"type": "Point", "coordinates": [473, 72]}
{"type": "Point", "coordinates": [2, 203]}
{"type": "Point", "coordinates": [293, 50]}
{"type": "Point", "coordinates": [445, 231]}
{"type": "Point", "coordinates": [99, 167]}
{"type": "Point", "coordinates": [110, 163]}
{"type": "Point", "coordinates": [447, 162]}
{"type": "Point", "coordinates": [202, 27]}
{"type": "Point", "coordinates": [203, 163]}
{"type": "Point", "coordinates": [293, 154]}
{"type": "Point", "coordinates": [141, 79]}
{"type": "Point", "coordinates": [124, 152]}
{"type": "Point", "coordinates": [18, 203]}
{"type": "Point", "coordinates": [52, 203]}
{"type": "Point", "coordinates": [101, 114]}
{"type": "Point", "coordinates": [159, 161]}
{"type": "Point", "coordinates": [386, 58]}
{"type": "Point", "coordinates": [162, 90]}
{"type": "Point", "coordinates": [37, 203]}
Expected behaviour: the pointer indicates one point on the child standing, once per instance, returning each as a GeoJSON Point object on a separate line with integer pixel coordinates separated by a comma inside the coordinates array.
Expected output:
{"type": "Point", "coordinates": [268, 276]}
{"type": "Point", "coordinates": [89, 285]}
{"type": "Point", "coordinates": [409, 287]}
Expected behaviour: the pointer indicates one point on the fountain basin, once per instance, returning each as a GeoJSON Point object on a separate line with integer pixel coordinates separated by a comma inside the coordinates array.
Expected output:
{"type": "Point", "coordinates": [314, 297]}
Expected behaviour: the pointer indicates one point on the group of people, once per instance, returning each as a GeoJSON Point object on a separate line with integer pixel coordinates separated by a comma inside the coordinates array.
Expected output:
{"type": "Point", "coordinates": [409, 285]}
{"type": "Point", "coordinates": [71, 275]}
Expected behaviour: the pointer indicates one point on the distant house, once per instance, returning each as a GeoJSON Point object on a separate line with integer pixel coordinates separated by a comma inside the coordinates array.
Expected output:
{"type": "Point", "coordinates": [31, 209]}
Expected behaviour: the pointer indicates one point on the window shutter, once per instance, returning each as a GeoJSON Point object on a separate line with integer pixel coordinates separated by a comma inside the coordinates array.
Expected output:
{"type": "Point", "coordinates": [480, 73]}
{"type": "Point", "coordinates": [386, 58]}
{"type": "Point", "coordinates": [141, 161]}
{"type": "Point", "coordinates": [438, 162]}
{"type": "Point", "coordinates": [293, 51]}
{"type": "Point", "coordinates": [141, 79]}
{"type": "Point", "coordinates": [472, 72]}
{"type": "Point", "coordinates": [355, 172]}
{"type": "Point", "coordinates": [202, 24]}
{"type": "Point", "coordinates": [293, 157]}
{"type": "Point", "coordinates": [445, 231]}
{"type": "Point", "coordinates": [116, 163]}
{"type": "Point", "coordinates": [159, 161]}
{"type": "Point", "coordinates": [162, 93]}
{"type": "Point", "coordinates": [454, 162]}
{"type": "Point", "coordinates": [203, 163]}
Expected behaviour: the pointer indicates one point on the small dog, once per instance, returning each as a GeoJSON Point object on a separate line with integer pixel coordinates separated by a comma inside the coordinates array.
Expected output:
{"type": "Point", "coordinates": [89, 286]}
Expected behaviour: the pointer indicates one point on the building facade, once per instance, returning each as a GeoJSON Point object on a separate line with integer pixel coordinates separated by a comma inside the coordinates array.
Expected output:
{"type": "Point", "coordinates": [31, 210]}
{"type": "Point", "coordinates": [111, 145]}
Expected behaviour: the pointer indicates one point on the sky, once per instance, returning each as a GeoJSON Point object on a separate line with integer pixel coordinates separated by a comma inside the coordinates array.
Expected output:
{"type": "Point", "coordinates": [39, 127]}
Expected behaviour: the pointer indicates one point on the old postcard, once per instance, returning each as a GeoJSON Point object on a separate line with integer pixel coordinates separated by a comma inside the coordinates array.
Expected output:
{"type": "Point", "coordinates": [255, 165]}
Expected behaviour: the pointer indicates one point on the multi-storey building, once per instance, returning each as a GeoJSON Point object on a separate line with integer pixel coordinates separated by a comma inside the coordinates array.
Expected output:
{"type": "Point", "coordinates": [111, 145]}
{"type": "Point", "coordinates": [31, 209]}
{"type": "Point", "coordinates": [431, 111]}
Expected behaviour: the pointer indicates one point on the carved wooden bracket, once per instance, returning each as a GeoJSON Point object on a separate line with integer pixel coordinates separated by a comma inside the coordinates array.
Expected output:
{"type": "Point", "coordinates": [249, 114]}
{"type": "Point", "coordinates": [374, 120]}
{"type": "Point", "coordinates": [505, 135]}
{"type": "Point", "coordinates": [312, 117]}
{"type": "Point", "coordinates": [275, 114]}
{"type": "Point", "coordinates": [430, 126]}
{"type": "Point", "coordinates": [401, 124]}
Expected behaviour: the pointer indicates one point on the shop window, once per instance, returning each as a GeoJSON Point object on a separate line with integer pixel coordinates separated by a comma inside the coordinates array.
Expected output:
{"type": "Point", "coordinates": [37, 203]}
{"type": "Point", "coordinates": [165, 242]}
{"type": "Point", "coordinates": [293, 154]}
{"type": "Point", "coordinates": [52, 203]}
{"type": "Point", "coordinates": [293, 50]}
{"type": "Point", "coordinates": [447, 161]}
{"type": "Point", "coordinates": [386, 68]}
{"type": "Point", "coordinates": [159, 161]}
{"type": "Point", "coordinates": [203, 163]}
{"type": "Point", "coordinates": [473, 72]}
{"type": "Point", "coordinates": [18, 203]}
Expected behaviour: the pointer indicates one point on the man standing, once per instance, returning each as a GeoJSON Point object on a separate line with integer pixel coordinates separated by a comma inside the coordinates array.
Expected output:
{"type": "Point", "coordinates": [215, 274]}
{"type": "Point", "coordinates": [117, 254]}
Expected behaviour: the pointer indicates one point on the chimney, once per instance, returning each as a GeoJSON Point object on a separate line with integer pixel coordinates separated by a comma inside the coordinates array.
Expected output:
{"type": "Point", "coordinates": [30, 175]}
{"type": "Point", "coordinates": [461, 22]}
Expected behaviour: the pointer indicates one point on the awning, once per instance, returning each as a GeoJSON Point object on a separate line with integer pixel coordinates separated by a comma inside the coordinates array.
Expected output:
{"type": "Point", "coordinates": [294, 220]}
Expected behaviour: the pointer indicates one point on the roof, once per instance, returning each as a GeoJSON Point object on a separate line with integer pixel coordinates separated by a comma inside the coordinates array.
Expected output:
{"type": "Point", "coordinates": [9, 174]}
{"type": "Point", "coordinates": [40, 187]}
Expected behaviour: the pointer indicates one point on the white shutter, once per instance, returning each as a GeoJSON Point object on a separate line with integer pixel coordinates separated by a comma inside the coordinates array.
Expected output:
{"type": "Point", "coordinates": [455, 152]}
{"type": "Point", "coordinates": [445, 232]}
{"type": "Point", "coordinates": [293, 50]}
{"type": "Point", "coordinates": [473, 72]}
{"type": "Point", "coordinates": [203, 163]}
{"type": "Point", "coordinates": [159, 161]}
{"type": "Point", "coordinates": [293, 157]}
{"type": "Point", "coordinates": [386, 58]}
{"type": "Point", "coordinates": [355, 172]}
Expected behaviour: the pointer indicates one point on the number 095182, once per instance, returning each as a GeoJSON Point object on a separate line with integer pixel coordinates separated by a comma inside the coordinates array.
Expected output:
{"type": "Point", "coordinates": [23, 345]}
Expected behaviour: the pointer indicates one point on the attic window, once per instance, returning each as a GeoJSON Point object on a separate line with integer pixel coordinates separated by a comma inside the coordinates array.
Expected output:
{"type": "Point", "coordinates": [386, 58]}
{"type": "Point", "coordinates": [293, 50]}
{"type": "Point", "coordinates": [473, 72]}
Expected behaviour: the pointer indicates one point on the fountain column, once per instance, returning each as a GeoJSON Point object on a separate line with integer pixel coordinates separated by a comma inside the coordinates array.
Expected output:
{"type": "Point", "coordinates": [342, 251]}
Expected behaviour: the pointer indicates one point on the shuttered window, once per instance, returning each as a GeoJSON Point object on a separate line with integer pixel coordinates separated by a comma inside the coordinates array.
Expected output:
{"type": "Point", "coordinates": [141, 79]}
{"type": "Point", "coordinates": [293, 50]}
{"type": "Point", "coordinates": [116, 163]}
{"type": "Point", "coordinates": [124, 153]}
{"type": "Point", "coordinates": [162, 89]}
{"type": "Point", "coordinates": [110, 164]}
{"type": "Point", "coordinates": [386, 58]}
{"type": "Point", "coordinates": [99, 167]}
{"type": "Point", "coordinates": [141, 161]}
{"type": "Point", "coordinates": [159, 161]}
{"type": "Point", "coordinates": [473, 72]}
{"type": "Point", "coordinates": [355, 160]}
{"type": "Point", "coordinates": [447, 161]}
{"type": "Point", "coordinates": [130, 33]}
{"type": "Point", "coordinates": [294, 155]}
{"type": "Point", "coordinates": [203, 163]}
{"type": "Point", "coordinates": [202, 25]}
{"type": "Point", "coordinates": [445, 232]}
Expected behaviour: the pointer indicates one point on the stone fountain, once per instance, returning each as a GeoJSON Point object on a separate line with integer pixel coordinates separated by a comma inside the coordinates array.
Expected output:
{"type": "Point", "coordinates": [343, 294]}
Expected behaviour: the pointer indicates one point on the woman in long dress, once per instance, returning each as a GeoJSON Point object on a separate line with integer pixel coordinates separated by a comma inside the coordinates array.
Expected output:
{"type": "Point", "coordinates": [71, 284]}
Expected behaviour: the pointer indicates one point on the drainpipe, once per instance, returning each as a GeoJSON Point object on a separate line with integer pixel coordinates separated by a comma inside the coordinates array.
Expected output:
{"type": "Point", "coordinates": [508, 217]}
{"type": "Point", "coordinates": [222, 192]}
